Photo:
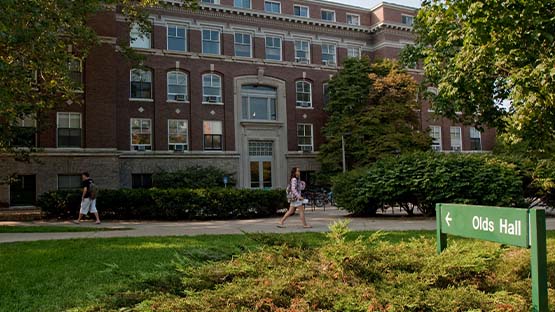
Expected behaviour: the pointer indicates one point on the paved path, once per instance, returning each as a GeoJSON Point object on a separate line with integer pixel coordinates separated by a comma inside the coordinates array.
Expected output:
{"type": "Point", "coordinates": [319, 219]}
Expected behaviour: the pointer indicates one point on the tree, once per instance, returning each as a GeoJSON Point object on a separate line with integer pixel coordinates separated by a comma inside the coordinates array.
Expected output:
{"type": "Point", "coordinates": [493, 60]}
{"type": "Point", "coordinates": [373, 108]}
{"type": "Point", "coordinates": [38, 39]}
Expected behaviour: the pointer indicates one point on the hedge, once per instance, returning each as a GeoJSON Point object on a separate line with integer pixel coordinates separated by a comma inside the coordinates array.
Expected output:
{"type": "Point", "coordinates": [421, 180]}
{"type": "Point", "coordinates": [193, 178]}
{"type": "Point", "coordinates": [171, 204]}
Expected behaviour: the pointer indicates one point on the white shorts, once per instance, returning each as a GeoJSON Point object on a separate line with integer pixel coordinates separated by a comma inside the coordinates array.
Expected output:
{"type": "Point", "coordinates": [88, 204]}
{"type": "Point", "coordinates": [296, 203]}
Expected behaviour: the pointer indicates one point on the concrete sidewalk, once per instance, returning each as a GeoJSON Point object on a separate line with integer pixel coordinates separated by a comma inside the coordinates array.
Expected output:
{"type": "Point", "coordinates": [319, 219]}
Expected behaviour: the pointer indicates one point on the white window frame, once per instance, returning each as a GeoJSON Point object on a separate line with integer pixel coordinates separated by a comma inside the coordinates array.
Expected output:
{"type": "Point", "coordinates": [472, 132]}
{"type": "Point", "coordinates": [436, 142]}
{"type": "Point", "coordinates": [210, 40]}
{"type": "Point", "coordinates": [140, 147]}
{"type": "Point", "coordinates": [273, 47]}
{"type": "Point", "coordinates": [325, 61]}
{"type": "Point", "coordinates": [299, 145]}
{"type": "Point", "coordinates": [353, 15]}
{"type": "Point", "coordinates": [168, 35]}
{"type": "Point", "coordinates": [70, 126]}
{"type": "Point", "coordinates": [307, 59]}
{"type": "Point", "coordinates": [221, 134]}
{"type": "Point", "coordinates": [240, 7]}
{"type": "Point", "coordinates": [456, 147]}
{"type": "Point", "coordinates": [210, 1]}
{"type": "Point", "coordinates": [138, 39]}
{"type": "Point", "coordinates": [177, 146]}
{"type": "Point", "coordinates": [303, 104]}
{"type": "Point", "coordinates": [358, 49]}
{"type": "Point", "coordinates": [407, 16]}
{"type": "Point", "coordinates": [272, 2]}
{"type": "Point", "coordinates": [175, 95]}
{"type": "Point", "coordinates": [242, 44]}
{"type": "Point", "coordinates": [301, 7]}
{"type": "Point", "coordinates": [329, 11]}
{"type": "Point", "coordinates": [217, 98]}
{"type": "Point", "coordinates": [131, 81]}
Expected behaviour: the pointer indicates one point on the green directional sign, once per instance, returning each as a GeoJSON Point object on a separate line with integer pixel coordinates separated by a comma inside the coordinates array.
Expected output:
{"type": "Point", "coordinates": [503, 225]}
{"type": "Point", "coordinates": [511, 226]}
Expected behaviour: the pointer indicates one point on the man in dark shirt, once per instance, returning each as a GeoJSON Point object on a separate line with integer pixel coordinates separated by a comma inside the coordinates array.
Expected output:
{"type": "Point", "coordinates": [88, 201]}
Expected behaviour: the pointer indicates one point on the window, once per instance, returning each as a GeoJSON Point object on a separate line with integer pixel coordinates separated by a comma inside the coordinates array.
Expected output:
{"type": "Point", "coordinates": [141, 180]}
{"type": "Point", "coordinates": [300, 10]}
{"type": "Point", "coordinates": [69, 182]}
{"type": "Point", "coordinates": [304, 94]}
{"type": "Point", "coordinates": [177, 38]}
{"type": "Point", "coordinates": [272, 7]}
{"type": "Point", "coordinates": [435, 133]}
{"type": "Point", "coordinates": [328, 15]}
{"type": "Point", "coordinates": [328, 54]}
{"type": "Point", "coordinates": [302, 52]}
{"type": "Point", "coordinates": [212, 135]}
{"type": "Point", "coordinates": [475, 140]}
{"type": "Point", "coordinates": [69, 129]}
{"type": "Point", "coordinates": [242, 4]}
{"type": "Point", "coordinates": [141, 134]}
{"type": "Point", "coordinates": [25, 133]}
{"type": "Point", "coordinates": [76, 72]}
{"type": "Point", "coordinates": [211, 88]}
{"type": "Point", "coordinates": [326, 94]}
{"type": "Point", "coordinates": [243, 45]}
{"type": "Point", "coordinates": [456, 139]}
{"type": "Point", "coordinates": [139, 39]}
{"type": "Point", "coordinates": [177, 135]}
{"type": "Point", "coordinates": [141, 84]}
{"type": "Point", "coordinates": [258, 102]}
{"type": "Point", "coordinates": [210, 41]}
{"type": "Point", "coordinates": [353, 19]}
{"type": "Point", "coordinates": [407, 20]}
{"type": "Point", "coordinates": [273, 48]}
{"type": "Point", "coordinates": [177, 86]}
{"type": "Point", "coordinates": [210, 1]}
{"type": "Point", "coordinates": [304, 137]}
{"type": "Point", "coordinates": [353, 52]}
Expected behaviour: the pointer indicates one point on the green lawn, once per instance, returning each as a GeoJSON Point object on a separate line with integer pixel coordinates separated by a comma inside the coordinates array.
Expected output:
{"type": "Point", "coordinates": [65, 274]}
{"type": "Point", "coordinates": [54, 229]}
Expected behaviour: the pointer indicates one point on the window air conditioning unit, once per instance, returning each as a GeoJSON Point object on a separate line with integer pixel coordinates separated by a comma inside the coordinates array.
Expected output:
{"type": "Point", "coordinates": [301, 60]}
{"type": "Point", "coordinates": [180, 97]}
{"type": "Point", "coordinates": [212, 99]}
{"type": "Point", "coordinates": [178, 148]}
{"type": "Point", "coordinates": [456, 148]}
{"type": "Point", "coordinates": [141, 148]}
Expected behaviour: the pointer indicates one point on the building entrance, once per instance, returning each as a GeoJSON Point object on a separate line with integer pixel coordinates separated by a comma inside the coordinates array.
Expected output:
{"type": "Point", "coordinates": [23, 191]}
{"type": "Point", "coordinates": [260, 159]}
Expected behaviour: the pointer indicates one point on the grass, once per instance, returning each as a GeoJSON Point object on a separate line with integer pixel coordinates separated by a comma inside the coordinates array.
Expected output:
{"type": "Point", "coordinates": [54, 229]}
{"type": "Point", "coordinates": [65, 274]}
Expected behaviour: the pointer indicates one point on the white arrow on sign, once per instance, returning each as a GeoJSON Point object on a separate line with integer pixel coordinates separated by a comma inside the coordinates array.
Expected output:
{"type": "Point", "coordinates": [447, 219]}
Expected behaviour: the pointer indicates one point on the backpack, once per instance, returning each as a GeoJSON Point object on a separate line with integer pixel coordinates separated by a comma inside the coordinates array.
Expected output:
{"type": "Point", "coordinates": [92, 190]}
{"type": "Point", "coordinates": [290, 195]}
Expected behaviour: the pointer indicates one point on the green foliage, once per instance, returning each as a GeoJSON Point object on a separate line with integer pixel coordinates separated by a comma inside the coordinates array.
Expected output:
{"type": "Point", "coordinates": [481, 55]}
{"type": "Point", "coordinates": [372, 107]}
{"type": "Point", "coordinates": [193, 177]}
{"type": "Point", "coordinates": [420, 180]}
{"type": "Point", "coordinates": [171, 204]}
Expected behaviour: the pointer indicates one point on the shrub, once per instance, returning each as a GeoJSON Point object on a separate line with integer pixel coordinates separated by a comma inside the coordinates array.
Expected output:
{"type": "Point", "coordinates": [421, 180]}
{"type": "Point", "coordinates": [193, 177]}
{"type": "Point", "coordinates": [172, 204]}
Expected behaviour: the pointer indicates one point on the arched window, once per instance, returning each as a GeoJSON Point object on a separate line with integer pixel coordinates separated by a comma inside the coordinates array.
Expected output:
{"type": "Point", "coordinates": [211, 88]}
{"type": "Point", "coordinates": [177, 86]}
{"type": "Point", "coordinates": [141, 84]}
{"type": "Point", "coordinates": [304, 93]}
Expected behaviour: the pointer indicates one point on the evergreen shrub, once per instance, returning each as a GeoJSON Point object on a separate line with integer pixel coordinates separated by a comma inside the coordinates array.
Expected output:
{"type": "Point", "coordinates": [171, 204]}
{"type": "Point", "coordinates": [420, 180]}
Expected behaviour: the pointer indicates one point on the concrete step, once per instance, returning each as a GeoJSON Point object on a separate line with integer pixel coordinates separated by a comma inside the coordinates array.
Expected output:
{"type": "Point", "coordinates": [29, 213]}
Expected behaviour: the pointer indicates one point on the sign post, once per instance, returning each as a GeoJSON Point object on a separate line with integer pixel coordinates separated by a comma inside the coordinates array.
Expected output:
{"type": "Point", "coordinates": [510, 226]}
{"type": "Point", "coordinates": [226, 180]}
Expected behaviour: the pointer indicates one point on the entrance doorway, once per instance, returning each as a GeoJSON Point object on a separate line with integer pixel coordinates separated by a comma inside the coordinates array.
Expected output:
{"type": "Point", "coordinates": [23, 191]}
{"type": "Point", "coordinates": [260, 159]}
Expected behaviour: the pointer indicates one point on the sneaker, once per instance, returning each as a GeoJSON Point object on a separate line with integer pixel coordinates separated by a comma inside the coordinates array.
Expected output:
{"type": "Point", "coordinates": [76, 222]}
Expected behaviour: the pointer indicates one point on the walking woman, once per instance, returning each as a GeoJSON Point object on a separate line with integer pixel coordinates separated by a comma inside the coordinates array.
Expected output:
{"type": "Point", "coordinates": [295, 198]}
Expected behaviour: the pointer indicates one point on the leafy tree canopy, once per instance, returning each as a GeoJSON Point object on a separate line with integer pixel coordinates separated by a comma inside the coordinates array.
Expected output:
{"type": "Point", "coordinates": [38, 41]}
{"type": "Point", "coordinates": [493, 60]}
{"type": "Point", "coordinates": [373, 107]}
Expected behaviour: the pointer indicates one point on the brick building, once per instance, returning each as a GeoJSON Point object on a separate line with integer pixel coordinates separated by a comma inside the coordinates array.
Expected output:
{"type": "Point", "coordinates": [238, 84]}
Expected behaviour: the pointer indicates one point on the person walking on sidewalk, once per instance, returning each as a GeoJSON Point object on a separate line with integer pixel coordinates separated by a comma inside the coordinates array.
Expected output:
{"type": "Point", "coordinates": [88, 198]}
{"type": "Point", "coordinates": [295, 198]}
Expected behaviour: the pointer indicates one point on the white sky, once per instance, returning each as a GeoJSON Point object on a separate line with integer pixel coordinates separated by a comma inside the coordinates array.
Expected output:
{"type": "Point", "coordinates": [372, 3]}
